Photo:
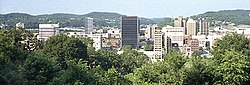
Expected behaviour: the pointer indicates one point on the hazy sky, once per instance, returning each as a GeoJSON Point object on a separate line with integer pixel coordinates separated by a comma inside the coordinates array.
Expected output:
{"type": "Point", "coordinates": [143, 8]}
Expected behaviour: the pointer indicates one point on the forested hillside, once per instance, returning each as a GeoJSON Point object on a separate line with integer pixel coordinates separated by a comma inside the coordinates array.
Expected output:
{"type": "Point", "coordinates": [238, 17]}
{"type": "Point", "coordinates": [235, 16]}
{"type": "Point", "coordinates": [101, 19]}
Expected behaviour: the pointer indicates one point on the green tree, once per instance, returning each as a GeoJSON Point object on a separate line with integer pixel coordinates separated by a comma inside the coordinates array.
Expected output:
{"type": "Point", "coordinates": [174, 63]}
{"type": "Point", "coordinates": [111, 77]}
{"type": "Point", "coordinates": [127, 48]}
{"type": "Point", "coordinates": [199, 71]}
{"type": "Point", "coordinates": [12, 55]}
{"type": "Point", "coordinates": [38, 69]}
{"type": "Point", "coordinates": [169, 71]}
{"type": "Point", "coordinates": [232, 68]}
{"type": "Point", "coordinates": [148, 47]}
{"type": "Point", "coordinates": [109, 43]}
{"type": "Point", "coordinates": [11, 44]}
{"type": "Point", "coordinates": [89, 43]}
{"type": "Point", "coordinates": [62, 48]}
{"type": "Point", "coordinates": [175, 59]}
{"type": "Point", "coordinates": [131, 59]}
{"type": "Point", "coordinates": [105, 58]}
{"type": "Point", "coordinates": [232, 41]}
{"type": "Point", "coordinates": [146, 74]}
{"type": "Point", "coordinates": [196, 53]}
{"type": "Point", "coordinates": [77, 72]}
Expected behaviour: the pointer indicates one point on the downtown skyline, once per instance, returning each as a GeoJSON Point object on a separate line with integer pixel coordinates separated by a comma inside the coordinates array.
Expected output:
{"type": "Point", "coordinates": [143, 8]}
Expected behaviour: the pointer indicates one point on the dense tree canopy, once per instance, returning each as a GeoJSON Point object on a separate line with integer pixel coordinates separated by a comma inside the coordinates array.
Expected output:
{"type": "Point", "coordinates": [229, 64]}
{"type": "Point", "coordinates": [232, 41]}
{"type": "Point", "coordinates": [62, 48]}
{"type": "Point", "coordinates": [148, 47]}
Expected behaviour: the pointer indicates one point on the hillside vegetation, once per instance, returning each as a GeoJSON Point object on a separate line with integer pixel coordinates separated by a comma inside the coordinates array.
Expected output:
{"type": "Point", "coordinates": [101, 19]}
{"type": "Point", "coordinates": [238, 17]}
{"type": "Point", "coordinates": [234, 16]}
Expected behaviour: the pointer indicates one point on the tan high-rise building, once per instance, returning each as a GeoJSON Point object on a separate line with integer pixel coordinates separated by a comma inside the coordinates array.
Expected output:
{"type": "Point", "coordinates": [191, 27]}
{"type": "Point", "coordinates": [158, 45]}
{"type": "Point", "coordinates": [150, 31]}
{"type": "Point", "coordinates": [179, 22]}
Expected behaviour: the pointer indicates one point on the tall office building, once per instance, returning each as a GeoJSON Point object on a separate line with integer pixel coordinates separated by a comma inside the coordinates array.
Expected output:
{"type": "Point", "coordinates": [47, 30]}
{"type": "Point", "coordinates": [191, 27]}
{"type": "Point", "coordinates": [175, 35]}
{"type": "Point", "coordinates": [203, 26]}
{"type": "Point", "coordinates": [150, 31]}
{"type": "Point", "coordinates": [185, 26]}
{"type": "Point", "coordinates": [179, 22]}
{"type": "Point", "coordinates": [158, 46]}
{"type": "Point", "coordinates": [130, 31]}
{"type": "Point", "coordinates": [89, 25]}
{"type": "Point", "coordinates": [168, 44]}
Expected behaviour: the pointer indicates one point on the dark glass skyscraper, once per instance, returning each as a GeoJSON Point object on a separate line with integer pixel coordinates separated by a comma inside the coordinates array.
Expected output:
{"type": "Point", "coordinates": [130, 31]}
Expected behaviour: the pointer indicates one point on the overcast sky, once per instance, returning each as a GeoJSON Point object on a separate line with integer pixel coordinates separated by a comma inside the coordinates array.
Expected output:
{"type": "Point", "coordinates": [142, 8]}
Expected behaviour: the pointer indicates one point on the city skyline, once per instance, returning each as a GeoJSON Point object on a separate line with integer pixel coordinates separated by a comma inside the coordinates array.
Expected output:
{"type": "Point", "coordinates": [143, 8]}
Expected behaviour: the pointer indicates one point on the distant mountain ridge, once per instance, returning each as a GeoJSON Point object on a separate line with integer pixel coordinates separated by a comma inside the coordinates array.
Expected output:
{"type": "Point", "coordinates": [235, 11]}
{"type": "Point", "coordinates": [238, 17]}
{"type": "Point", "coordinates": [235, 16]}
{"type": "Point", "coordinates": [109, 19]}
{"type": "Point", "coordinates": [102, 19]}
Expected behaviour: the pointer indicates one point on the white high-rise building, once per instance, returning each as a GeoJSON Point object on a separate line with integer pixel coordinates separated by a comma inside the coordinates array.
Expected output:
{"type": "Point", "coordinates": [47, 30]}
{"type": "Point", "coordinates": [176, 35]}
{"type": "Point", "coordinates": [89, 25]}
{"type": "Point", "coordinates": [158, 45]}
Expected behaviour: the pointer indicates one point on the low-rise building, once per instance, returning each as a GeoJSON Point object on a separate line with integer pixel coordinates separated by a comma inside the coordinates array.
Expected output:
{"type": "Point", "coordinates": [19, 25]}
{"type": "Point", "coordinates": [76, 32]}
{"type": "Point", "coordinates": [114, 33]}
{"type": "Point", "coordinates": [202, 40]}
{"type": "Point", "coordinates": [47, 30]}
{"type": "Point", "coordinates": [97, 38]}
